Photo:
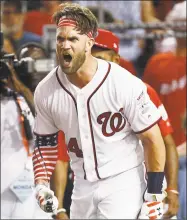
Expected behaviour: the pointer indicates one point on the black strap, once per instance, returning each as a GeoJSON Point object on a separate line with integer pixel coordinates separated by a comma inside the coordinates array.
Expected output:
{"type": "Point", "coordinates": [27, 127]}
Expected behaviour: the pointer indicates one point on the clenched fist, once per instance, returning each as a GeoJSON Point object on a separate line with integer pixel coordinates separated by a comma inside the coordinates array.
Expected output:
{"type": "Point", "coordinates": [46, 199]}
{"type": "Point", "coordinates": [153, 207]}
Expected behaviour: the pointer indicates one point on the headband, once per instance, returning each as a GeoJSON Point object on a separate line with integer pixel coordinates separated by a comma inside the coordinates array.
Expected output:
{"type": "Point", "coordinates": [70, 22]}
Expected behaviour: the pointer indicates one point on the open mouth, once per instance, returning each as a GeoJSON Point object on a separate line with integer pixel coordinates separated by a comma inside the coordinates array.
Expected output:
{"type": "Point", "coordinates": [67, 59]}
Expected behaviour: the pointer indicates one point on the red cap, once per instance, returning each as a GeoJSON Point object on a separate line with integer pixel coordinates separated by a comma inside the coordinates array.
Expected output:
{"type": "Point", "coordinates": [106, 39]}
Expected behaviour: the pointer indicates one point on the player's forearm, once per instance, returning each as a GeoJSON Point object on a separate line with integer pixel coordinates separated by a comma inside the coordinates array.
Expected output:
{"type": "Point", "coordinates": [59, 181]}
{"type": "Point", "coordinates": [171, 167]}
{"type": "Point", "coordinates": [154, 156]}
{"type": "Point", "coordinates": [154, 150]}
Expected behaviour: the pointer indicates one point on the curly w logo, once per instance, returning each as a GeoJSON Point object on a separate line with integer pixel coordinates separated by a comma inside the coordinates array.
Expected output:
{"type": "Point", "coordinates": [116, 122]}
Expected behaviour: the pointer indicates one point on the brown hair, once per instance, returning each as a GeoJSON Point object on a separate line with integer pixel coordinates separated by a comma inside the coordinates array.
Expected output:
{"type": "Point", "coordinates": [86, 21]}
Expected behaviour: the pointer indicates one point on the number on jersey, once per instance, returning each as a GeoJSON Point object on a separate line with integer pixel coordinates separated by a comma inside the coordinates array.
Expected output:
{"type": "Point", "coordinates": [74, 147]}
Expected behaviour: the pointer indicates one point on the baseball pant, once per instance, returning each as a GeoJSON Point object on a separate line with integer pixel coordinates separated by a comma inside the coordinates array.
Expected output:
{"type": "Point", "coordinates": [116, 197]}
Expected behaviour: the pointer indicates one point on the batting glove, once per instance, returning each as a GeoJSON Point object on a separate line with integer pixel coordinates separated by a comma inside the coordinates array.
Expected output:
{"type": "Point", "coordinates": [153, 207]}
{"type": "Point", "coordinates": [46, 199]}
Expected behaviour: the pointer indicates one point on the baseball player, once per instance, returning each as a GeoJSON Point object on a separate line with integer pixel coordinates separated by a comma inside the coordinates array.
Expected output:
{"type": "Point", "coordinates": [107, 47]}
{"type": "Point", "coordinates": [104, 112]}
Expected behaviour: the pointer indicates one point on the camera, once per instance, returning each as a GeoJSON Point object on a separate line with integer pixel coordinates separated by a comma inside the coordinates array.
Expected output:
{"type": "Point", "coordinates": [24, 66]}
{"type": "Point", "coordinates": [5, 91]}
{"type": "Point", "coordinates": [27, 65]}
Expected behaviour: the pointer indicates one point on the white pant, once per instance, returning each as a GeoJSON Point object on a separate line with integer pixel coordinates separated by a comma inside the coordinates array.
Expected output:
{"type": "Point", "coordinates": [117, 197]}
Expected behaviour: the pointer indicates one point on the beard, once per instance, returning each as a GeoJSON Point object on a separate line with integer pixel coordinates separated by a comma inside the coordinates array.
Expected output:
{"type": "Point", "coordinates": [76, 63]}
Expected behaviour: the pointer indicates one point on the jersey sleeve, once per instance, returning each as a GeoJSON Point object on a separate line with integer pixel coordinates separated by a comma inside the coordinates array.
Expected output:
{"type": "Point", "coordinates": [62, 149]}
{"type": "Point", "coordinates": [141, 113]}
{"type": "Point", "coordinates": [46, 141]}
{"type": "Point", "coordinates": [164, 124]}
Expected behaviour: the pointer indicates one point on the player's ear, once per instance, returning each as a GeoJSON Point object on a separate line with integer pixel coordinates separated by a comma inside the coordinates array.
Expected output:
{"type": "Point", "coordinates": [89, 44]}
{"type": "Point", "coordinates": [116, 58]}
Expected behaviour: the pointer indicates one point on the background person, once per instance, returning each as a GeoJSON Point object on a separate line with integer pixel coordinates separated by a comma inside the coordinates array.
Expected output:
{"type": "Point", "coordinates": [43, 16]}
{"type": "Point", "coordinates": [12, 24]}
{"type": "Point", "coordinates": [7, 46]}
{"type": "Point", "coordinates": [16, 148]}
{"type": "Point", "coordinates": [166, 73]}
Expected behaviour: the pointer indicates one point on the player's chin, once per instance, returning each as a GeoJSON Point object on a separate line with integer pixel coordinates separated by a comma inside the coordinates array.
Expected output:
{"type": "Point", "coordinates": [68, 71]}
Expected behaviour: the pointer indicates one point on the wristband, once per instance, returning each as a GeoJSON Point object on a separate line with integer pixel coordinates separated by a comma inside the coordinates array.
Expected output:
{"type": "Point", "coordinates": [155, 182]}
{"type": "Point", "coordinates": [40, 186]}
{"type": "Point", "coordinates": [43, 183]}
{"type": "Point", "coordinates": [172, 190]}
{"type": "Point", "coordinates": [61, 210]}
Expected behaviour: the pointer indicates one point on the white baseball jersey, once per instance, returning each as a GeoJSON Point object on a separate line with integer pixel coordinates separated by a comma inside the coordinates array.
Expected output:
{"type": "Point", "coordinates": [100, 122]}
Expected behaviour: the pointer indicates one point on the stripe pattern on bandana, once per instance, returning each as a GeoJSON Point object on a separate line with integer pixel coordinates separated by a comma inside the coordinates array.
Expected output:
{"type": "Point", "coordinates": [70, 22]}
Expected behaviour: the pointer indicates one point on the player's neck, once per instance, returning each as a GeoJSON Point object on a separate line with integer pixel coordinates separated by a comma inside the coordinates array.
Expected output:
{"type": "Point", "coordinates": [85, 74]}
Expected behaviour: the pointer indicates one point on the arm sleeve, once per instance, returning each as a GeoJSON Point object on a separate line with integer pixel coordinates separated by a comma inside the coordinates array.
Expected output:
{"type": "Point", "coordinates": [140, 112]}
{"type": "Point", "coordinates": [45, 145]}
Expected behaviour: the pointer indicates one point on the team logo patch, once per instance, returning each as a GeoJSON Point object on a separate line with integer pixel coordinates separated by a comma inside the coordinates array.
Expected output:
{"type": "Point", "coordinates": [115, 121]}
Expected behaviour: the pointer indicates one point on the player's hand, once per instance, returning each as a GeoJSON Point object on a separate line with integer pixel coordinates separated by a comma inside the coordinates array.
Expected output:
{"type": "Point", "coordinates": [152, 208]}
{"type": "Point", "coordinates": [46, 199]}
{"type": "Point", "coordinates": [172, 201]}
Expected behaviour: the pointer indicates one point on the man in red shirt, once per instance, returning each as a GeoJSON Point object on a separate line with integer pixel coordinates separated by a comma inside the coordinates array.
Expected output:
{"type": "Point", "coordinates": [166, 73]}
{"type": "Point", "coordinates": [109, 50]}
{"type": "Point", "coordinates": [36, 19]}
{"type": "Point", "coordinates": [106, 42]}
{"type": "Point", "coordinates": [127, 65]}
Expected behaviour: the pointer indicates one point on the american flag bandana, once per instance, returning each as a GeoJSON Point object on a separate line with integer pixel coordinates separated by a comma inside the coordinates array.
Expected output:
{"type": "Point", "coordinates": [45, 156]}
{"type": "Point", "coordinates": [70, 22]}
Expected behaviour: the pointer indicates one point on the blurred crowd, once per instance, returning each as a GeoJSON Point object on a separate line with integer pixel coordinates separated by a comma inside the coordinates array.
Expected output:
{"type": "Point", "coordinates": [159, 62]}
